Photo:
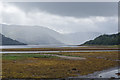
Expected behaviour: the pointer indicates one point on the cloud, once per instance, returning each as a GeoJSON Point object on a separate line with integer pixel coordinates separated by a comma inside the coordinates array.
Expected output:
{"type": "Point", "coordinates": [62, 24]}
{"type": "Point", "coordinates": [76, 9]}
{"type": "Point", "coordinates": [1, 6]}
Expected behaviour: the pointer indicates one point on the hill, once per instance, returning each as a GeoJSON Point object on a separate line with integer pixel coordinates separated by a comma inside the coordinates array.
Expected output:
{"type": "Point", "coordinates": [32, 35]}
{"type": "Point", "coordinates": [105, 40]}
{"type": "Point", "coordinates": [41, 35]}
{"type": "Point", "coordinates": [7, 41]}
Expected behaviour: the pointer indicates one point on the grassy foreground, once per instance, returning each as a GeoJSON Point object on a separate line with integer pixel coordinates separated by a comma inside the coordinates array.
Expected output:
{"type": "Point", "coordinates": [43, 66]}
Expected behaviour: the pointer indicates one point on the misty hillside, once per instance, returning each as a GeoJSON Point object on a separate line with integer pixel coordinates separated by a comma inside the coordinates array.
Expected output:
{"type": "Point", "coordinates": [105, 40]}
{"type": "Point", "coordinates": [43, 35]}
{"type": "Point", "coordinates": [31, 34]}
{"type": "Point", "coordinates": [7, 41]}
{"type": "Point", "coordinates": [80, 37]}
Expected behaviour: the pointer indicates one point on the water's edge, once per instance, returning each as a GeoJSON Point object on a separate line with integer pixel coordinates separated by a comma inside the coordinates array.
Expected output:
{"type": "Point", "coordinates": [102, 74]}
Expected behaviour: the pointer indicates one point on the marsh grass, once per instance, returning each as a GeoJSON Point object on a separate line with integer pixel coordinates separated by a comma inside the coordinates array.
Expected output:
{"type": "Point", "coordinates": [113, 55]}
{"type": "Point", "coordinates": [24, 56]}
{"type": "Point", "coordinates": [42, 66]}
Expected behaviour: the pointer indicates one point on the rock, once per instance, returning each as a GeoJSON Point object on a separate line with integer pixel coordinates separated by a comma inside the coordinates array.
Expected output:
{"type": "Point", "coordinates": [74, 69]}
{"type": "Point", "coordinates": [117, 74]}
{"type": "Point", "coordinates": [100, 76]}
{"type": "Point", "coordinates": [112, 77]}
{"type": "Point", "coordinates": [51, 68]}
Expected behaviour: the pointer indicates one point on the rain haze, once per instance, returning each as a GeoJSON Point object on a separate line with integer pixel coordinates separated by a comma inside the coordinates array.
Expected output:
{"type": "Point", "coordinates": [60, 22]}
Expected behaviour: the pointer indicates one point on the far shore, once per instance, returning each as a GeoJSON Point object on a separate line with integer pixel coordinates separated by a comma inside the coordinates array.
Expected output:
{"type": "Point", "coordinates": [62, 48]}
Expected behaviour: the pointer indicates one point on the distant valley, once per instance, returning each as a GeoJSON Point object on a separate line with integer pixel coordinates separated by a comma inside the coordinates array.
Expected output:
{"type": "Point", "coordinates": [38, 35]}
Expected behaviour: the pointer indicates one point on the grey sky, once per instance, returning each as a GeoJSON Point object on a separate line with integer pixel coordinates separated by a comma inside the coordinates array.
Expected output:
{"type": "Point", "coordinates": [60, 1]}
{"type": "Point", "coordinates": [76, 9]}
{"type": "Point", "coordinates": [64, 17]}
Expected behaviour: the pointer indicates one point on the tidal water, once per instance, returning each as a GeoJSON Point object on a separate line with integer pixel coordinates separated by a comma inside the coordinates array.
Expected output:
{"type": "Point", "coordinates": [109, 73]}
{"type": "Point", "coordinates": [55, 51]}
{"type": "Point", "coordinates": [37, 46]}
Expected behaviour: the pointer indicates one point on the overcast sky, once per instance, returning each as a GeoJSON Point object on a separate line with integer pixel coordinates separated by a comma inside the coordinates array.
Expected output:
{"type": "Point", "coordinates": [63, 17]}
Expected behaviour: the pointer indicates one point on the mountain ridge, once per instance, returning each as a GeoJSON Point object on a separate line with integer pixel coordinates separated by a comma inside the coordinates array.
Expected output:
{"type": "Point", "coordinates": [105, 39]}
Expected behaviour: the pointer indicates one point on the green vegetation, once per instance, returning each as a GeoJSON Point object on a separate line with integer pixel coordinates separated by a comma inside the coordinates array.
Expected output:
{"type": "Point", "coordinates": [24, 56]}
{"type": "Point", "coordinates": [105, 40]}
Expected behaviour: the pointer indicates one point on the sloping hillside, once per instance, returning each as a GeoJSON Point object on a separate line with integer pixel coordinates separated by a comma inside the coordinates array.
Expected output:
{"type": "Point", "coordinates": [33, 35]}
{"type": "Point", "coordinates": [39, 35]}
{"type": "Point", "coordinates": [105, 40]}
{"type": "Point", "coordinates": [7, 41]}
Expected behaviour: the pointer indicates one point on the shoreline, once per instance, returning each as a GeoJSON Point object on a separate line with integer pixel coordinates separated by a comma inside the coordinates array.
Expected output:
{"type": "Point", "coordinates": [96, 74]}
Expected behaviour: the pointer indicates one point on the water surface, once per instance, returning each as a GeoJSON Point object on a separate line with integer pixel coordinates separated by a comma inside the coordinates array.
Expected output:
{"type": "Point", "coordinates": [36, 46]}
{"type": "Point", "coordinates": [109, 73]}
{"type": "Point", "coordinates": [56, 51]}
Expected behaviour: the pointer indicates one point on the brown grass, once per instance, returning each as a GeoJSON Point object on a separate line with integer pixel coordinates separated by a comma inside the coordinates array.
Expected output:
{"type": "Point", "coordinates": [57, 67]}
{"type": "Point", "coordinates": [113, 55]}
{"type": "Point", "coordinates": [61, 49]}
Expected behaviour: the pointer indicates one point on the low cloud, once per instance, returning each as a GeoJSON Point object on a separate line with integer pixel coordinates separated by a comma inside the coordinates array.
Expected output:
{"type": "Point", "coordinates": [62, 24]}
